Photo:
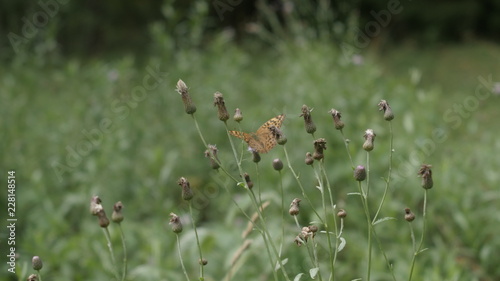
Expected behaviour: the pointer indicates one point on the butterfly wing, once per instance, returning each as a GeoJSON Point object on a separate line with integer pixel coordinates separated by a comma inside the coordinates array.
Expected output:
{"type": "Point", "coordinates": [263, 140]}
{"type": "Point", "coordinates": [251, 139]}
{"type": "Point", "coordinates": [264, 134]}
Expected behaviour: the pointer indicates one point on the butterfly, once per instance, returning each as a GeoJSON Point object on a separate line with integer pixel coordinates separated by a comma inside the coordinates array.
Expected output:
{"type": "Point", "coordinates": [263, 139]}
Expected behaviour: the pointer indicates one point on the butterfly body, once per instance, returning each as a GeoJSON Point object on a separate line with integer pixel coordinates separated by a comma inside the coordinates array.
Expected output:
{"type": "Point", "coordinates": [263, 139]}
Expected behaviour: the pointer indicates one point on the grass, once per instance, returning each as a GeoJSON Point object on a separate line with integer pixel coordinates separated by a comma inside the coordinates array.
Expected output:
{"type": "Point", "coordinates": [152, 142]}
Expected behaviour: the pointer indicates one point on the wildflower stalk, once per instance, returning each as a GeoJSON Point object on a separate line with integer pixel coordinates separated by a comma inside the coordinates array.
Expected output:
{"type": "Point", "coordinates": [265, 235]}
{"type": "Point", "coordinates": [388, 179]}
{"type": "Point", "coordinates": [304, 195]}
{"type": "Point", "coordinates": [180, 256]}
{"type": "Point", "coordinates": [122, 236]}
{"type": "Point", "coordinates": [112, 253]}
{"type": "Point", "coordinates": [197, 241]}
{"type": "Point", "coordinates": [337, 236]}
{"type": "Point", "coordinates": [419, 249]}
{"type": "Point", "coordinates": [325, 222]}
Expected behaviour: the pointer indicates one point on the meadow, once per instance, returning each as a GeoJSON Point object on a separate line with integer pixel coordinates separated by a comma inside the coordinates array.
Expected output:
{"type": "Point", "coordinates": [117, 128]}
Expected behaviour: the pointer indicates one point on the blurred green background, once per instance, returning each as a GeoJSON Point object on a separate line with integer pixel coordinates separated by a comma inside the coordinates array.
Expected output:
{"type": "Point", "coordinates": [88, 107]}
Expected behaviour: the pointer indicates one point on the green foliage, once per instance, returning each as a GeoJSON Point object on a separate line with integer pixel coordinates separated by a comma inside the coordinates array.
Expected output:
{"type": "Point", "coordinates": [49, 111]}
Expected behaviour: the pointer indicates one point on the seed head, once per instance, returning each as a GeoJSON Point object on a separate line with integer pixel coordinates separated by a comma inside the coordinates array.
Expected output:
{"type": "Point", "coordinates": [182, 89]}
{"type": "Point", "coordinates": [203, 261]}
{"type": "Point", "coordinates": [294, 207]}
{"type": "Point", "coordinates": [117, 215]}
{"type": "Point", "coordinates": [319, 146]}
{"type": "Point", "coordinates": [221, 107]}
{"type": "Point", "coordinates": [36, 262]}
{"type": "Point", "coordinates": [211, 153]}
{"type": "Point", "coordinates": [409, 216]}
{"type": "Point", "coordinates": [384, 105]}
{"type": "Point", "coordinates": [369, 139]}
{"type": "Point", "coordinates": [309, 158]}
{"type": "Point", "coordinates": [175, 223]}
{"type": "Point", "coordinates": [237, 115]}
{"type": "Point", "coordinates": [249, 182]}
{"type": "Point", "coordinates": [309, 124]}
{"type": "Point", "coordinates": [339, 125]}
{"type": "Point", "coordinates": [277, 164]}
{"type": "Point", "coordinates": [95, 205]}
{"type": "Point", "coordinates": [360, 173]}
{"type": "Point", "coordinates": [187, 193]}
{"type": "Point", "coordinates": [313, 228]}
{"type": "Point", "coordinates": [278, 135]}
{"type": "Point", "coordinates": [426, 173]}
{"type": "Point", "coordinates": [255, 156]}
{"type": "Point", "coordinates": [342, 213]}
{"type": "Point", "coordinates": [103, 219]}
{"type": "Point", "coordinates": [32, 277]}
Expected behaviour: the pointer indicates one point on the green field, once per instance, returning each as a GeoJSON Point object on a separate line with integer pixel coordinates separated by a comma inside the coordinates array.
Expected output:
{"type": "Point", "coordinates": [117, 128]}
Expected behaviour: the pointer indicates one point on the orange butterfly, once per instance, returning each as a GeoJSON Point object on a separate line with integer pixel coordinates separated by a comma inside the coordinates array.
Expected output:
{"type": "Point", "coordinates": [263, 140]}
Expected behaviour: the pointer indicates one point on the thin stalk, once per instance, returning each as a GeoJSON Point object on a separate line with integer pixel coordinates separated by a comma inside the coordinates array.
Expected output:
{"type": "Point", "coordinates": [388, 180]}
{"type": "Point", "coordinates": [300, 185]}
{"type": "Point", "coordinates": [110, 247]}
{"type": "Point", "coordinates": [122, 235]}
{"type": "Point", "coordinates": [369, 224]}
{"type": "Point", "coordinates": [197, 241]}
{"type": "Point", "coordinates": [180, 257]}
{"type": "Point", "coordinates": [346, 143]}
{"type": "Point", "coordinates": [419, 248]}
{"type": "Point", "coordinates": [325, 223]}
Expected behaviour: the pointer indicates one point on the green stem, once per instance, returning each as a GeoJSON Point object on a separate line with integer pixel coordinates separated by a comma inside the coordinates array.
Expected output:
{"type": "Point", "coordinates": [180, 257]}
{"type": "Point", "coordinates": [419, 248]}
{"type": "Point", "coordinates": [122, 235]}
{"type": "Point", "coordinates": [197, 241]}
{"type": "Point", "coordinates": [300, 185]}
{"type": "Point", "coordinates": [388, 180]}
{"type": "Point", "coordinates": [110, 247]}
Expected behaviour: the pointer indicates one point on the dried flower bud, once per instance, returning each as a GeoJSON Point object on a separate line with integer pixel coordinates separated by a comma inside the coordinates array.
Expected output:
{"type": "Point", "coordinates": [221, 106]}
{"type": "Point", "coordinates": [298, 240]}
{"type": "Point", "coordinates": [313, 228]}
{"type": "Point", "coordinates": [95, 205]}
{"type": "Point", "coordinates": [117, 215]}
{"type": "Point", "coordinates": [237, 115]}
{"type": "Point", "coordinates": [211, 153]}
{"type": "Point", "coordinates": [360, 173]}
{"type": "Point", "coordinates": [341, 213]}
{"type": "Point", "coordinates": [36, 262]}
{"type": "Point", "coordinates": [278, 135]}
{"type": "Point", "coordinates": [249, 182]}
{"type": "Point", "coordinates": [426, 173]}
{"type": "Point", "coordinates": [103, 219]}
{"type": "Point", "coordinates": [203, 261]}
{"type": "Point", "coordinates": [182, 89]}
{"type": "Point", "coordinates": [384, 105]}
{"type": "Point", "coordinates": [319, 146]}
{"type": "Point", "coordinates": [187, 193]}
{"type": "Point", "coordinates": [175, 223]}
{"type": "Point", "coordinates": [255, 156]}
{"type": "Point", "coordinates": [339, 125]}
{"type": "Point", "coordinates": [32, 277]}
{"type": "Point", "coordinates": [309, 124]}
{"type": "Point", "coordinates": [369, 139]}
{"type": "Point", "coordinates": [309, 158]}
{"type": "Point", "coordinates": [294, 207]}
{"type": "Point", "coordinates": [409, 216]}
{"type": "Point", "coordinates": [277, 164]}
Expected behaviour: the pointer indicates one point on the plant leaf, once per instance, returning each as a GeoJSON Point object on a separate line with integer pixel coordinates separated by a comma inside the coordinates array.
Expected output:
{"type": "Point", "coordinates": [383, 219]}
{"type": "Point", "coordinates": [313, 272]}
{"type": "Point", "coordinates": [298, 276]}
{"type": "Point", "coordinates": [342, 244]}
